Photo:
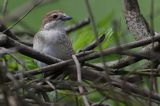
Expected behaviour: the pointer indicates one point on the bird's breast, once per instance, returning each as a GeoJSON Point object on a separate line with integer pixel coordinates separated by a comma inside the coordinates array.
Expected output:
{"type": "Point", "coordinates": [56, 44]}
{"type": "Point", "coordinates": [51, 36]}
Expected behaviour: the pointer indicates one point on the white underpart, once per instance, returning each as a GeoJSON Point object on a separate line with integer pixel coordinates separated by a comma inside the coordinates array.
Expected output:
{"type": "Point", "coordinates": [52, 40]}
{"type": "Point", "coordinates": [58, 24]}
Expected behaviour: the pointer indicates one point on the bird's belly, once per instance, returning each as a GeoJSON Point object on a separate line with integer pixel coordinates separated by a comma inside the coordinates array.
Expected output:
{"type": "Point", "coordinates": [56, 51]}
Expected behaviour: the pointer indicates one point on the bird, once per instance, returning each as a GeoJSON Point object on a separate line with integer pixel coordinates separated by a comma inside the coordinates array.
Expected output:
{"type": "Point", "coordinates": [52, 39]}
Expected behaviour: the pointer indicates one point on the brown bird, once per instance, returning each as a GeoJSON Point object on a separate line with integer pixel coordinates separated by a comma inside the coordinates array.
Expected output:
{"type": "Point", "coordinates": [52, 39]}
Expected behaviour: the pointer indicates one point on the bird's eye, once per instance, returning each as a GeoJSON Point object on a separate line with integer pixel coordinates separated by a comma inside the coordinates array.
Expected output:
{"type": "Point", "coordinates": [55, 16]}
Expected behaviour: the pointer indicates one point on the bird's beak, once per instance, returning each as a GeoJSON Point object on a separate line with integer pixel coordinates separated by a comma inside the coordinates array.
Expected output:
{"type": "Point", "coordinates": [66, 17]}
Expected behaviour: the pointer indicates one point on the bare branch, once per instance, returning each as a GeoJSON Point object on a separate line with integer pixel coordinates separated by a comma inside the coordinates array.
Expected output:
{"type": "Point", "coordinates": [48, 59]}
{"type": "Point", "coordinates": [20, 19]}
{"type": "Point", "coordinates": [18, 12]}
{"type": "Point", "coordinates": [94, 44]}
{"type": "Point", "coordinates": [4, 9]}
{"type": "Point", "coordinates": [79, 79]}
{"type": "Point", "coordinates": [135, 21]}
{"type": "Point", "coordinates": [77, 25]}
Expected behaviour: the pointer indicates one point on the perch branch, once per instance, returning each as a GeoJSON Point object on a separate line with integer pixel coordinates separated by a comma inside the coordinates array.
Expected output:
{"type": "Point", "coordinates": [47, 59]}
{"type": "Point", "coordinates": [94, 44]}
{"type": "Point", "coordinates": [77, 25]}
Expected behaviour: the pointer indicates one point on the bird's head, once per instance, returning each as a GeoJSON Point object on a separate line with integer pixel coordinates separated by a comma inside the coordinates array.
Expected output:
{"type": "Point", "coordinates": [54, 19]}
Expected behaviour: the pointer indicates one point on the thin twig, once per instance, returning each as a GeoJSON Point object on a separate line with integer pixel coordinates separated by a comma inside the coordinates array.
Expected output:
{"type": "Point", "coordinates": [77, 25]}
{"type": "Point", "coordinates": [39, 56]}
{"type": "Point", "coordinates": [20, 19]}
{"type": "Point", "coordinates": [20, 85]}
{"type": "Point", "coordinates": [18, 61]}
{"type": "Point", "coordinates": [4, 8]}
{"type": "Point", "coordinates": [120, 84]}
{"type": "Point", "coordinates": [79, 79]}
{"type": "Point", "coordinates": [96, 36]}
{"type": "Point", "coordinates": [29, 52]}
{"type": "Point", "coordinates": [94, 44]}
{"type": "Point", "coordinates": [152, 79]}
{"type": "Point", "coordinates": [20, 10]}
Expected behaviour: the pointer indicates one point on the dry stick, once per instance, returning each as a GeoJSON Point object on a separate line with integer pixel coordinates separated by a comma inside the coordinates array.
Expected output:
{"type": "Point", "coordinates": [59, 85]}
{"type": "Point", "coordinates": [123, 47]}
{"type": "Point", "coordinates": [96, 36]}
{"type": "Point", "coordinates": [29, 92]}
{"type": "Point", "coordinates": [135, 21]}
{"type": "Point", "coordinates": [155, 96]}
{"type": "Point", "coordinates": [137, 72]}
{"type": "Point", "coordinates": [20, 62]}
{"type": "Point", "coordinates": [28, 51]}
{"type": "Point", "coordinates": [4, 51]}
{"type": "Point", "coordinates": [121, 84]}
{"type": "Point", "coordinates": [153, 84]}
{"type": "Point", "coordinates": [91, 46]}
{"type": "Point", "coordinates": [51, 86]}
{"type": "Point", "coordinates": [39, 56]}
{"type": "Point", "coordinates": [130, 87]}
{"type": "Point", "coordinates": [77, 25]}
{"type": "Point", "coordinates": [30, 34]}
{"type": "Point", "coordinates": [4, 89]}
{"type": "Point", "coordinates": [4, 8]}
{"type": "Point", "coordinates": [129, 59]}
{"type": "Point", "coordinates": [153, 56]}
{"type": "Point", "coordinates": [18, 12]}
{"type": "Point", "coordinates": [137, 25]}
{"type": "Point", "coordinates": [48, 59]}
{"type": "Point", "coordinates": [79, 79]}
{"type": "Point", "coordinates": [94, 44]}
{"type": "Point", "coordinates": [54, 67]}
{"type": "Point", "coordinates": [146, 72]}
{"type": "Point", "coordinates": [135, 89]}
{"type": "Point", "coordinates": [11, 26]}
{"type": "Point", "coordinates": [94, 67]}
{"type": "Point", "coordinates": [115, 35]}
{"type": "Point", "coordinates": [7, 32]}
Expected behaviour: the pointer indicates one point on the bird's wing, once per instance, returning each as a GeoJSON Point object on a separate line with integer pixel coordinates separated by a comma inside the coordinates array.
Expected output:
{"type": "Point", "coordinates": [38, 46]}
{"type": "Point", "coordinates": [67, 45]}
{"type": "Point", "coordinates": [38, 42]}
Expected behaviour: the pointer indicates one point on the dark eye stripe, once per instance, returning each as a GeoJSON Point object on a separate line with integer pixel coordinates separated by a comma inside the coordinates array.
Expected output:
{"type": "Point", "coordinates": [55, 16]}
